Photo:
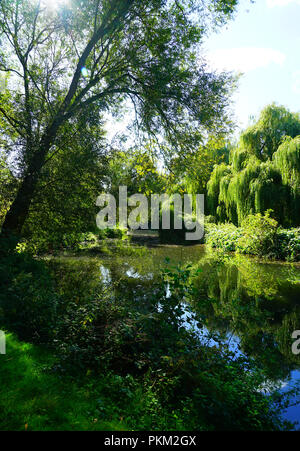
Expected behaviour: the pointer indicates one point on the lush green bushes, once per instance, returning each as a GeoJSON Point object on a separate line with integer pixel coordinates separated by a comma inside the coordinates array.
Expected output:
{"type": "Point", "coordinates": [165, 376]}
{"type": "Point", "coordinates": [44, 242]}
{"type": "Point", "coordinates": [149, 340]}
{"type": "Point", "coordinates": [289, 244]}
{"type": "Point", "coordinates": [28, 300]}
{"type": "Point", "coordinates": [259, 235]}
{"type": "Point", "coordinates": [223, 236]}
{"type": "Point", "coordinates": [39, 397]}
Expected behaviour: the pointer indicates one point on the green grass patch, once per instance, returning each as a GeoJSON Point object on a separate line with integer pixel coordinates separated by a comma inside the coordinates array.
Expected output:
{"type": "Point", "coordinates": [34, 398]}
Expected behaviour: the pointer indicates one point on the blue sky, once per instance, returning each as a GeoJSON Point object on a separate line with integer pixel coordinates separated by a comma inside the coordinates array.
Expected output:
{"type": "Point", "coordinates": [263, 42]}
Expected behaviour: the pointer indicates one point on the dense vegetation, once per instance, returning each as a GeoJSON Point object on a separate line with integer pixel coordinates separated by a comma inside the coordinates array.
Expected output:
{"type": "Point", "coordinates": [263, 167]}
{"type": "Point", "coordinates": [95, 347]}
{"type": "Point", "coordinates": [258, 235]}
{"type": "Point", "coordinates": [127, 347]}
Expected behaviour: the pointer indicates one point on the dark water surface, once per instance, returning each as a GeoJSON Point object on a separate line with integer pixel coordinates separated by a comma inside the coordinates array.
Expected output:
{"type": "Point", "coordinates": [254, 305]}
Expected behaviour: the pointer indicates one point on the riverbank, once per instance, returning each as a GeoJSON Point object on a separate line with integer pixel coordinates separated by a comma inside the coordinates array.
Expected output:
{"type": "Point", "coordinates": [107, 326]}
{"type": "Point", "coordinates": [259, 235]}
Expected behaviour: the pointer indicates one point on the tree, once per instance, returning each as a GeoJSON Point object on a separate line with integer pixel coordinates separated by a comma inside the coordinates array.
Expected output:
{"type": "Point", "coordinates": [64, 202]}
{"type": "Point", "coordinates": [102, 52]}
{"type": "Point", "coordinates": [264, 137]}
{"type": "Point", "coordinates": [190, 173]}
{"type": "Point", "coordinates": [138, 170]}
{"type": "Point", "coordinates": [8, 186]}
{"type": "Point", "coordinates": [264, 171]}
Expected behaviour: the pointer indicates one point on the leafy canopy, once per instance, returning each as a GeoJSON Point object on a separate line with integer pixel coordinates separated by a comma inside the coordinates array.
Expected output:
{"type": "Point", "coordinates": [102, 52]}
{"type": "Point", "coordinates": [264, 171]}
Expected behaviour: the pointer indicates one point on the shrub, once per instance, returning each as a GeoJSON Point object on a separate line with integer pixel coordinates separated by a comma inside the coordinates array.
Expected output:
{"type": "Point", "coordinates": [28, 302]}
{"type": "Point", "coordinates": [289, 244]}
{"type": "Point", "coordinates": [115, 233]}
{"type": "Point", "coordinates": [225, 236]}
{"type": "Point", "coordinates": [259, 235]}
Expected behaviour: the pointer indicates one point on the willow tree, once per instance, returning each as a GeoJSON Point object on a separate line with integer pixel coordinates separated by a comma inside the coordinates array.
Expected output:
{"type": "Point", "coordinates": [105, 52]}
{"type": "Point", "coordinates": [287, 161]}
{"type": "Point", "coordinates": [189, 173]}
{"type": "Point", "coordinates": [263, 138]}
{"type": "Point", "coordinates": [264, 171]}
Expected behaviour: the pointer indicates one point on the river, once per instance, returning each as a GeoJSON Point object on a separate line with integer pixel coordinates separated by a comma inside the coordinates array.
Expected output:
{"type": "Point", "coordinates": [253, 305]}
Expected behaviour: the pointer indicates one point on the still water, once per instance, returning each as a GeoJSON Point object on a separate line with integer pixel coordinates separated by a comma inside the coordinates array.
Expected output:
{"type": "Point", "coordinates": [254, 305]}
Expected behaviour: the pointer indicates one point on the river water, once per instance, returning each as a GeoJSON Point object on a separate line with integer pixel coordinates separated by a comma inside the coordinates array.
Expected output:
{"type": "Point", "coordinates": [254, 305]}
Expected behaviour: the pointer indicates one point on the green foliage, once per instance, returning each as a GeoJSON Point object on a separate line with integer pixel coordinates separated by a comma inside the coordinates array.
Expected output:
{"type": "Point", "coordinates": [289, 244]}
{"type": "Point", "coordinates": [36, 398]}
{"type": "Point", "coordinates": [28, 301]}
{"type": "Point", "coordinates": [156, 341]}
{"type": "Point", "coordinates": [287, 160]}
{"type": "Point", "coordinates": [259, 235]}
{"type": "Point", "coordinates": [256, 300]}
{"type": "Point", "coordinates": [223, 237]}
{"type": "Point", "coordinates": [118, 52]}
{"type": "Point", "coordinates": [137, 357]}
{"type": "Point", "coordinates": [261, 175]}
{"type": "Point", "coordinates": [8, 186]}
{"type": "Point", "coordinates": [189, 173]}
{"type": "Point", "coordinates": [213, 190]}
{"type": "Point", "coordinates": [64, 204]}
{"type": "Point", "coordinates": [136, 169]}
{"type": "Point", "coordinates": [263, 138]}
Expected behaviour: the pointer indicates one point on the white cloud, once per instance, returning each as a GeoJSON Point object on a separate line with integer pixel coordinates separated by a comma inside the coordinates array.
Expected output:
{"type": "Point", "coordinates": [271, 3]}
{"type": "Point", "coordinates": [244, 59]}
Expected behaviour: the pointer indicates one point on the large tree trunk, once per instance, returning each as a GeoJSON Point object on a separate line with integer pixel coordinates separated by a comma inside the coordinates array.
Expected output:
{"type": "Point", "coordinates": [18, 212]}
{"type": "Point", "coordinates": [19, 209]}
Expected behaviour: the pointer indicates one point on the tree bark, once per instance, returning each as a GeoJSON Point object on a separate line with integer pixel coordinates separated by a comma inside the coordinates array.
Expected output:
{"type": "Point", "coordinates": [19, 209]}
{"type": "Point", "coordinates": [18, 212]}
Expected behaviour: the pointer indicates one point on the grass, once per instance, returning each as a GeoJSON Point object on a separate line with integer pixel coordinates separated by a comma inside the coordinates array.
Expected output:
{"type": "Point", "coordinates": [33, 398]}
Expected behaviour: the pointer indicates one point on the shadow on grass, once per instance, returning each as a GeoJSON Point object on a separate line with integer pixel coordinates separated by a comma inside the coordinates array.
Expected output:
{"type": "Point", "coordinates": [33, 398]}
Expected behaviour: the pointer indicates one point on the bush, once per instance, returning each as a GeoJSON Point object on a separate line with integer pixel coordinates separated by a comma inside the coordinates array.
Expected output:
{"type": "Point", "coordinates": [43, 242]}
{"type": "Point", "coordinates": [259, 236]}
{"type": "Point", "coordinates": [115, 233]}
{"type": "Point", "coordinates": [289, 244]}
{"type": "Point", "coordinates": [28, 302]}
{"type": "Point", "coordinates": [225, 236]}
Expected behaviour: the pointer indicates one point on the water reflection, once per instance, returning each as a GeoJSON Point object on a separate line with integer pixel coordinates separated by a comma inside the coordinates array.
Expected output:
{"type": "Point", "coordinates": [254, 306]}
